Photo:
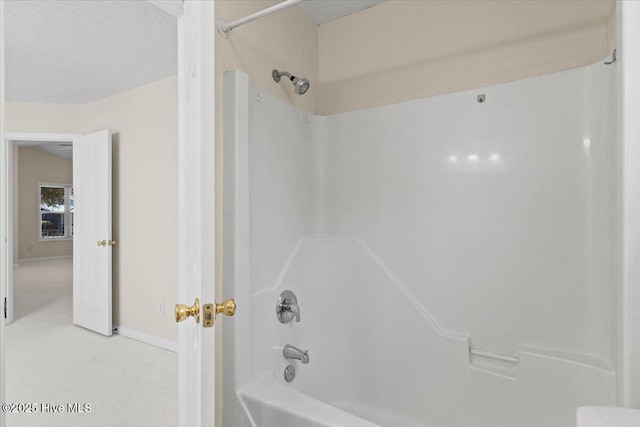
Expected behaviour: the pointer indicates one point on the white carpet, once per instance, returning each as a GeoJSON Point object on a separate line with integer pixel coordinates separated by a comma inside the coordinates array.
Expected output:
{"type": "Point", "coordinates": [49, 360]}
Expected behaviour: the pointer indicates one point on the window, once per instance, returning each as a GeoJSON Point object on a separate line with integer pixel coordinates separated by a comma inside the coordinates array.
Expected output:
{"type": "Point", "coordinates": [56, 211]}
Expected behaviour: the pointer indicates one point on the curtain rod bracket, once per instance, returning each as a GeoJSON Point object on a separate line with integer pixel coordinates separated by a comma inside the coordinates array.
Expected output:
{"type": "Point", "coordinates": [223, 28]}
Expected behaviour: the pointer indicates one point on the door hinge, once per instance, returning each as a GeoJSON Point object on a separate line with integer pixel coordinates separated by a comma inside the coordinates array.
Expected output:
{"type": "Point", "coordinates": [5, 307]}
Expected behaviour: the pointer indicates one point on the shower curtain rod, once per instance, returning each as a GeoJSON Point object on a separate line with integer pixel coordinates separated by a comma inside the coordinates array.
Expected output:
{"type": "Point", "coordinates": [224, 28]}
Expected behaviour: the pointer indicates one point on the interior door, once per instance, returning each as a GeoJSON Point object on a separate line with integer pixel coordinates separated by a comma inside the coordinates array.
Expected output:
{"type": "Point", "coordinates": [92, 244]}
{"type": "Point", "coordinates": [196, 210]}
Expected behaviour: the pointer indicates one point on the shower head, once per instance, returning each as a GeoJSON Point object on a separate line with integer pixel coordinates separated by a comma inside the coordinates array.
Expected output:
{"type": "Point", "coordinates": [300, 85]}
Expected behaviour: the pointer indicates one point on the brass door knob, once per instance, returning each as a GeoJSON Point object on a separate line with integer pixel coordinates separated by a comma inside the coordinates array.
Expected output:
{"type": "Point", "coordinates": [102, 243]}
{"type": "Point", "coordinates": [112, 242]}
{"type": "Point", "coordinates": [184, 311]}
{"type": "Point", "coordinates": [227, 307]}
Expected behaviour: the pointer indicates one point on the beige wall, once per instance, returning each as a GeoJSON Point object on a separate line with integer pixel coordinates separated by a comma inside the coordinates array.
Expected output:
{"type": "Point", "coordinates": [36, 166]}
{"type": "Point", "coordinates": [144, 126]}
{"type": "Point", "coordinates": [54, 118]}
{"type": "Point", "coordinates": [402, 50]}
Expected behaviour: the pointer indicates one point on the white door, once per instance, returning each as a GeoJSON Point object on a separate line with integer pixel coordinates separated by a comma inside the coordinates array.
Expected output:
{"type": "Point", "coordinates": [92, 244]}
{"type": "Point", "coordinates": [196, 209]}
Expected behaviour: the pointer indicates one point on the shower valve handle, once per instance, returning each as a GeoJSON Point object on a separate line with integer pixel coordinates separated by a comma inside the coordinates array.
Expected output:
{"type": "Point", "coordinates": [287, 307]}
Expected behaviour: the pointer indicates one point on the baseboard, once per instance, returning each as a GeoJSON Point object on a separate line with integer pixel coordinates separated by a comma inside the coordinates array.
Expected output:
{"type": "Point", "coordinates": [51, 258]}
{"type": "Point", "coordinates": [145, 338]}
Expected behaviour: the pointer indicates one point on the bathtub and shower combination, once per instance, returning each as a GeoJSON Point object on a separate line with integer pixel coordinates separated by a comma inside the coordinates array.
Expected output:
{"type": "Point", "coordinates": [443, 262]}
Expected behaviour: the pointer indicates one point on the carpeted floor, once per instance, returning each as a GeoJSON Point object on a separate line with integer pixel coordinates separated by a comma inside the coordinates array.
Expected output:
{"type": "Point", "coordinates": [51, 361]}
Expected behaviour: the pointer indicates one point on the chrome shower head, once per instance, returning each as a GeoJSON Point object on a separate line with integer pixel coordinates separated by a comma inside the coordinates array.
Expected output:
{"type": "Point", "coordinates": [300, 85]}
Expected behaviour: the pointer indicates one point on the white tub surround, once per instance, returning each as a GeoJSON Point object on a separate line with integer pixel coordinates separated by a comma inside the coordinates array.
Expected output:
{"type": "Point", "coordinates": [454, 260]}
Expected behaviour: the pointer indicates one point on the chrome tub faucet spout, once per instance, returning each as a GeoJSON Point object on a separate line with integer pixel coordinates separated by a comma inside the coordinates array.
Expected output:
{"type": "Point", "coordinates": [291, 352]}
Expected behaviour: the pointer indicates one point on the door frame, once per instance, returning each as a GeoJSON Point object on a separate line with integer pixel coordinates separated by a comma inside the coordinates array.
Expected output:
{"type": "Point", "coordinates": [196, 209]}
{"type": "Point", "coordinates": [629, 200]}
{"type": "Point", "coordinates": [9, 141]}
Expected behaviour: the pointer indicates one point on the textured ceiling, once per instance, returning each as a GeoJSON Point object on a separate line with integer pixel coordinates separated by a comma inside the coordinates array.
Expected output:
{"type": "Point", "coordinates": [79, 51]}
{"type": "Point", "coordinates": [323, 11]}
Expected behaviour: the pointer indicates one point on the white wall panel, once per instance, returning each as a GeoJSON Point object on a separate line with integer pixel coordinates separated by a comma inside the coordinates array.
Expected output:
{"type": "Point", "coordinates": [497, 216]}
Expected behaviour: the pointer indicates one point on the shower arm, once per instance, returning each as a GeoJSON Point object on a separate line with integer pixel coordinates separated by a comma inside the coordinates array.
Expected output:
{"type": "Point", "coordinates": [277, 74]}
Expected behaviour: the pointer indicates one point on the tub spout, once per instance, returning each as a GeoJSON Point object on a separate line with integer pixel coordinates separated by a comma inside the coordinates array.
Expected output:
{"type": "Point", "coordinates": [291, 352]}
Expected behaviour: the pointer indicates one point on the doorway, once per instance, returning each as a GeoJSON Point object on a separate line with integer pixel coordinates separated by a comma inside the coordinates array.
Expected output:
{"type": "Point", "coordinates": [131, 376]}
{"type": "Point", "coordinates": [195, 172]}
{"type": "Point", "coordinates": [43, 198]}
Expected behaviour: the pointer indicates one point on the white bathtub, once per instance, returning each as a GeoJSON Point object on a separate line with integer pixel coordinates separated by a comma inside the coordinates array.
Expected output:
{"type": "Point", "coordinates": [268, 403]}
{"type": "Point", "coordinates": [453, 261]}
